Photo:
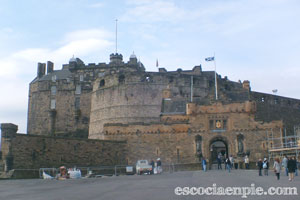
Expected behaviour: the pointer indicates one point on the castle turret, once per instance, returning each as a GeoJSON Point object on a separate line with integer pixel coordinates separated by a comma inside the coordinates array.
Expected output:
{"type": "Point", "coordinates": [116, 58]}
{"type": "Point", "coordinates": [133, 59]}
{"type": "Point", "coordinates": [72, 62]}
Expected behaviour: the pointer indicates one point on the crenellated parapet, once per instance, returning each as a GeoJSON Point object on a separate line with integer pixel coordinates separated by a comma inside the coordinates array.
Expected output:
{"type": "Point", "coordinates": [218, 107]}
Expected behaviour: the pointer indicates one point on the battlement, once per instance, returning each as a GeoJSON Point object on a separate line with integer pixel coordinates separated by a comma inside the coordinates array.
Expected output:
{"type": "Point", "coordinates": [218, 107]}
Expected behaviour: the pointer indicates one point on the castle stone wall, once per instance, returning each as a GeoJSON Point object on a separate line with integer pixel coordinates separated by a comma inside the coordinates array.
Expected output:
{"type": "Point", "coordinates": [138, 98]}
{"type": "Point", "coordinates": [272, 107]}
{"type": "Point", "coordinates": [22, 151]}
{"type": "Point", "coordinates": [174, 138]}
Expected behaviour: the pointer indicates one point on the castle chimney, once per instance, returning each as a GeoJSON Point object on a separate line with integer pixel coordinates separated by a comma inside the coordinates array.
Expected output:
{"type": "Point", "coordinates": [41, 69]}
{"type": "Point", "coordinates": [246, 85]}
{"type": "Point", "coordinates": [49, 67]}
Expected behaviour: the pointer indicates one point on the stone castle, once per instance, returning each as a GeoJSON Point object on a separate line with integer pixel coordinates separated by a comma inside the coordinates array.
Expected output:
{"type": "Point", "coordinates": [173, 115]}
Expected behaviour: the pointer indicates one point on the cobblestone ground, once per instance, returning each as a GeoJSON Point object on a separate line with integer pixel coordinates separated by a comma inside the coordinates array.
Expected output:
{"type": "Point", "coordinates": [145, 186]}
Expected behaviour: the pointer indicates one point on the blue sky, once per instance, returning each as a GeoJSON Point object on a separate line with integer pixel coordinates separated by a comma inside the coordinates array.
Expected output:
{"type": "Point", "coordinates": [256, 40]}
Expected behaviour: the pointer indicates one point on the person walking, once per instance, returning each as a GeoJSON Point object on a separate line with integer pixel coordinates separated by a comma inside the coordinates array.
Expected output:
{"type": "Point", "coordinates": [225, 165]}
{"type": "Point", "coordinates": [266, 167]}
{"type": "Point", "coordinates": [297, 167]}
{"type": "Point", "coordinates": [228, 164]}
{"type": "Point", "coordinates": [204, 164]}
{"type": "Point", "coordinates": [277, 168]}
{"type": "Point", "coordinates": [159, 169]}
{"type": "Point", "coordinates": [152, 165]}
{"type": "Point", "coordinates": [284, 164]}
{"type": "Point", "coordinates": [231, 161]}
{"type": "Point", "coordinates": [291, 165]}
{"type": "Point", "coordinates": [246, 162]}
{"type": "Point", "coordinates": [259, 166]}
{"type": "Point", "coordinates": [219, 160]}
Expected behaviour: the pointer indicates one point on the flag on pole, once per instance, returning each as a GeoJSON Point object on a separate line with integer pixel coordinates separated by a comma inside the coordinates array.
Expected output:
{"type": "Point", "coordinates": [210, 59]}
{"type": "Point", "coordinates": [156, 62]}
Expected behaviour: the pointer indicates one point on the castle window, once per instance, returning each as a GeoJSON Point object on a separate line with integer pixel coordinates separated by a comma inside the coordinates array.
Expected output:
{"type": "Point", "coordinates": [227, 87]}
{"type": "Point", "coordinates": [263, 99]}
{"type": "Point", "coordinates": [121, 79]}
{"type": "Point", "coordinates": [53, 104]}
{"type": "Point", "coordinates": [81, 77]}
{"type": "Point", "coordinates": [147, 78]}
{"type": "Point", "coordinates": [101, 74]}
{"type": "Point", "coordinates": [78, 89]}
{"type": "Point", "coordinates": [102, 83]}
{"type": "Point", "coordinates": [53, 90]}
{"type": "Point", "coordinates": [77, 102]}
{"type": "Point", "coordinates": [53, 78]}
{"type": "Point", "coordinates": [276, 101]}
{"type": "Point", "coordinates": [211, 124]}
{"type": "Point", "coordinates": [225, 124]}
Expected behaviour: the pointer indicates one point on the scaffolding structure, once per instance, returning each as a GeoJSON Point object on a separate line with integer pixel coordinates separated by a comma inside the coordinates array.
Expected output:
{"type": "Point", "coordinates": [285, 145]}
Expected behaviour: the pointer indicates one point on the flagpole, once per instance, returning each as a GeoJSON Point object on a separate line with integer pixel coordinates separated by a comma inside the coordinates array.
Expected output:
{"type": "Point", "coordinates": [216, 84]}
{"type": "Point", "coordinates": [116, 36]}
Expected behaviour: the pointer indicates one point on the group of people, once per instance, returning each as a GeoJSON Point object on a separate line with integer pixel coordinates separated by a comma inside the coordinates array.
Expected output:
{"type": "Point", "coordinates": [290, 166]}
{"type": "Point", "coordinates": [228, 162]}
{"type": "Point", "coordinates": [263, 165]}
{"type": "Point", "coordinates": [156, 166]}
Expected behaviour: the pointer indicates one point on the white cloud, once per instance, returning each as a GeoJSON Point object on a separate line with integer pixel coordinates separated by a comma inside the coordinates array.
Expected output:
{"type": "Point", "coordinates": [87, 34]}
{"type": "Point", "coordinates": [153, 11]}
{"type": "Point", "coordinates": [79, 43]}
{"type": "Point", "coordinates": [19, 68]}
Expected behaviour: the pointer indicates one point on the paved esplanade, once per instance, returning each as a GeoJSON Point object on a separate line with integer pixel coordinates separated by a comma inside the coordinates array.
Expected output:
{"type": "Point", "coordinates": [142, 187]}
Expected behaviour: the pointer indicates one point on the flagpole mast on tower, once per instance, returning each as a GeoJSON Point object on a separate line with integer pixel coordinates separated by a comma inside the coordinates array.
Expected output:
{"type": "Point", "coordinates": [116, 36]}
{"type": "Point", "coordinates": [216, 84]}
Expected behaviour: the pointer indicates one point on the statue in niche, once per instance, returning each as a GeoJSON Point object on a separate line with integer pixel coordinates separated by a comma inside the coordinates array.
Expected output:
{"type": "Point", "coordinates": [240, 139]}
{"type": "Point", "coordinates": [240, 146]}
{"type": "Point", "coordinates": [198, 140]}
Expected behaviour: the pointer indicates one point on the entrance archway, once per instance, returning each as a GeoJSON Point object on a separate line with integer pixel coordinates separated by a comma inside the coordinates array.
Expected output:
{"type": "Point", "coordinates": [218, 146]}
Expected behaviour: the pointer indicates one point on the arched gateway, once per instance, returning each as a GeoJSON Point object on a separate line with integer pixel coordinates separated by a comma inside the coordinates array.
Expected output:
{"type": "Point", "coordinates": [218, 145]}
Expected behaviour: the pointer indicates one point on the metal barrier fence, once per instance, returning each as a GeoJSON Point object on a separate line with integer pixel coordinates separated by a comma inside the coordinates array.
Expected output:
{"type": "Point", "coordinates": [117, 170]}
{"type": "Point", "coordinates": [50, 171]}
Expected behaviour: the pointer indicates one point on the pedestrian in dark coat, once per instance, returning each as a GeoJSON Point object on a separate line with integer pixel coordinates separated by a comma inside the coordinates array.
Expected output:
{"type": "Point", "coordinates": [228, 164]}
{"type": "Point", "coordinates": [259, 166]}
{"type": "Point", "coordinates": [291, 165]}
{"type": "Point", "coordinates": [219, 160]}
{"type": "Point", "coordinates": [152, 164]}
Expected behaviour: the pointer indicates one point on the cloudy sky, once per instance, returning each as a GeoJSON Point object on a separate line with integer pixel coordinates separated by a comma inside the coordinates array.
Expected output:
{"type": "Point", "coordinates": [256, 40]}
